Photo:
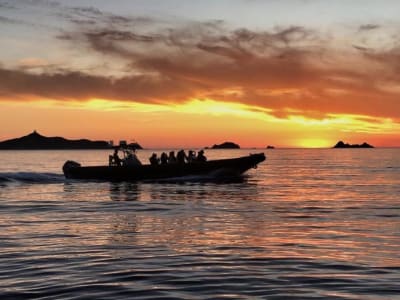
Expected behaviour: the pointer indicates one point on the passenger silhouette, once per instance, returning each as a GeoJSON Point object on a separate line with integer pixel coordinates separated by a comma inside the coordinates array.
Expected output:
{"type": "Point", "coordinates": [191, 156]}
{"type": "Point", "coordinates": [171, 157]}
{"type": "Point", "coordinates": [164, 158]}
{"type": "Point", "coordinates": [201, 156]}
{"type": "Point", "coordinates": [181, 156]}
{"type": "Point", "coordinates": [115, 158]}
{"type": "Point", "coordinates": [154, 160]}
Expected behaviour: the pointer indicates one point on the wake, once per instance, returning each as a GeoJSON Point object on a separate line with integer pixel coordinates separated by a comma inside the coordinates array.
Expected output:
{"type": "Point", "coordinates": [30, 177]}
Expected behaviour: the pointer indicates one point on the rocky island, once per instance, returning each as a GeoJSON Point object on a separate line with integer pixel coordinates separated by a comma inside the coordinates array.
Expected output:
{"type": "Point", "coordinates": [341, 144]}
{"type": "Point", "coordinates": [226, 145]}
{"type": "Point", "coordinates": [36, 141]}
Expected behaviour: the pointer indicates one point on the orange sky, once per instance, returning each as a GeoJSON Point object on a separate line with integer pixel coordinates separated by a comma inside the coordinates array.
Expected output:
{"type": "Point", "coordinates": [90, 72]}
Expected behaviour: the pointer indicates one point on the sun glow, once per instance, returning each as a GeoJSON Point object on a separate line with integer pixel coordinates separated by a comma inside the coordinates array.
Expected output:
{"type": "Point", "coordinates": [113, 105]}
{"type": "Point", "coordinates": [314, 143]}
{"type": "Point", "coordinates": [198, 122]}
{"type": "Point", "coordinates": [340, 122]}
{"type": "Point", "coordinates": [217, 108]}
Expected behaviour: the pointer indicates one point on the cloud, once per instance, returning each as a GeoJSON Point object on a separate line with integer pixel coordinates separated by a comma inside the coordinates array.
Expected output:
{"type": "Point", "coordinates": [6, 5]}
{"type": "Point", "coordinates": [361, 48]}
{"type": "Point", "coordinates": [285, 70]}
{"type": "Point", "coordinates": [32, 63]}
{"type": "Point", "coordinates": [368, 27]}
{"type": "Point", "coordinates": [80, 86]}
{"type": "Point", "coordinates": [8, 20]}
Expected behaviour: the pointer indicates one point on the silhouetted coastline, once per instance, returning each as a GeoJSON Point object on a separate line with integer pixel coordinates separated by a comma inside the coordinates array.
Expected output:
{"type": "Point", "coordinates": [36, 141]}
{"type": "Point", "coordinates": [341, 144]}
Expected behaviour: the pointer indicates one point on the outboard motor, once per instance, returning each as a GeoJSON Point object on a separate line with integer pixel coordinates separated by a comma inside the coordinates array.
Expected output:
{"type": "Point", "coordinates": [69, 164]}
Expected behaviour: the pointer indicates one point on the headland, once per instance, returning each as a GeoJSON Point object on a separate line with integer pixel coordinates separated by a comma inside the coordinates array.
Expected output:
{"type": "Point", "coordinates": [36, 141]}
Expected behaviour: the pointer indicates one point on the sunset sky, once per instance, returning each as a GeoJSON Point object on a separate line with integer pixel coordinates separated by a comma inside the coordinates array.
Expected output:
{"type": "Point", "coordinates": [180, 73]}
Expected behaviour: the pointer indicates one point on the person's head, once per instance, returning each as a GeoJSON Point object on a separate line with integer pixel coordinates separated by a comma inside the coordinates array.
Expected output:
{"type": "Point", "coordinates": [201, 151]}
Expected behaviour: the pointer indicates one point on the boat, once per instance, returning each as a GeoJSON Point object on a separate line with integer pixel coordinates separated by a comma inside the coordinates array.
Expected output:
{"type": "Point", "coordinates": [220, 168]}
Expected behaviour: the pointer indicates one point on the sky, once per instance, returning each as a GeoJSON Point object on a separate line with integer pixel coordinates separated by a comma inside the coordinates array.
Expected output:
{"type": "Point", "coordinates": [179, 73]}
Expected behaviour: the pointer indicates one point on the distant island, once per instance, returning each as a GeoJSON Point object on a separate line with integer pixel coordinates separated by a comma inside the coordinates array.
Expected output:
{"type": "Point", "coordinates": [226, 145]}
{"type": "Point", "coordinates": [270, 147]}
{"type": "Point", "coordinates": [341, 144]}
{"type": "Point", "coordinates": [36, 141]}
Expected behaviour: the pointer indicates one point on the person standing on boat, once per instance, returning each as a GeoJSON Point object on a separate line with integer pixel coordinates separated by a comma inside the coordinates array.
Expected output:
{"type": "Point", "coordinates": [115, 157]}
{"type": "Point", "coordinates": [131, 159]}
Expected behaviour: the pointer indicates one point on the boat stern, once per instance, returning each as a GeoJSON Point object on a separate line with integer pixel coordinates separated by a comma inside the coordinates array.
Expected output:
{"type": "Point", "coordinates": [68, 166]}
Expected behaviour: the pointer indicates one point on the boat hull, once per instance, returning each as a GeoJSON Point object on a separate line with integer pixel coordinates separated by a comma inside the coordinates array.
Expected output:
{"type": "Point", "coordinates": [215, 168]}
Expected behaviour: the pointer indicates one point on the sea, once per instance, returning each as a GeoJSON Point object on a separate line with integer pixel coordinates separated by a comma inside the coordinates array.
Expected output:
{"type": "Point", "coordinates": [306, 224]}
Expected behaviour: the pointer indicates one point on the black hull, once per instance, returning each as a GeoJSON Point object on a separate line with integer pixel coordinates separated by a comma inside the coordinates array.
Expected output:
{"type": "Point", "coordinates": [217, 168]}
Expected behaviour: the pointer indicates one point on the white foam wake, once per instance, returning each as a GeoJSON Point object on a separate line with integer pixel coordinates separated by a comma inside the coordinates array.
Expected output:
{"type": "Point", "coordinates": [31, 177]}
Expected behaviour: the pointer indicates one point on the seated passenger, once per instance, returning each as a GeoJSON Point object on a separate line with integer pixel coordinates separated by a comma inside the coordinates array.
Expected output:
{"type": "Point", "coordinates": [154, 160]}
{"type": "Point", "coordinates": [201, 156]}
{"type": "Point", "coordinates": [191, 156]}
{"type": "Point", "coordinates": [164, 158]}
{"type": "Point", "coordinates": [181, 156]}
{"type": "Point", "coordinates": [171, 158]}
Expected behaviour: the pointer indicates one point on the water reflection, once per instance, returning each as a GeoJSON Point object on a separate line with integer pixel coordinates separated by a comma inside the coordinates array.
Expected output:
{"type": "Point", "coordinates": [287, 212]}
{"type": "Point", "coordinates": [124, 191]}
{"type": "Point", "coordinates": [231, 218]}
{"type": "Point", "coordinates": [128, 191]}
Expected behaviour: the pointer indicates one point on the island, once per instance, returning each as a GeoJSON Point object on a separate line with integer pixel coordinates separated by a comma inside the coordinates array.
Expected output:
{"type": "Point", "coordinates": [270, 147]}
{"type": "Point", "coordinates": [36, 141]}
{"type": "Point", "coordinates": [341, 144]}
{"type": "Point", "coordinates": [226, 145]}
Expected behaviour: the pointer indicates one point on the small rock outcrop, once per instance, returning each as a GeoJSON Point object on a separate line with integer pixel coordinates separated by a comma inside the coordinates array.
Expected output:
{"type": "Point", "coordinates": [226, 145]}
{"type": "Point", "coordinates": [341, 144]}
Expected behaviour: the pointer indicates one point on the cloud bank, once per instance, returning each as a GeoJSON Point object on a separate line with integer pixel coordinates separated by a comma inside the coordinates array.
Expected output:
{"type": "Point", "coordinates": [289, 71]}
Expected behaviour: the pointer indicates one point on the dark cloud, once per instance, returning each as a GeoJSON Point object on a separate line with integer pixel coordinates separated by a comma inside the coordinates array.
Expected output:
{"type": "Point", "coordinates": [117, 35]}
{"type": "Point", "coordinates": [368, 27]}
{"type": "Point", "coordinates": [8, 20]}
{"type": "Point", "coordinates": [389, 58]}
{"type": "Point", "coordinates": [42, 3]}
{"type": "Point", "coordinates": [361, 48]}
{"type": "Point", "coordinates": [87, 11]}
{"type": "Point", "coordinates": [93, 16]}
{"type": "Point", "coordinates": [6, 5]}
{"type": "Point", "coordinates": [80, 86]}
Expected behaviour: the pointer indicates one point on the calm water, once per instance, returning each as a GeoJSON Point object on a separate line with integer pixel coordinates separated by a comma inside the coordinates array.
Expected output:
{"type": "Point", "coordinates": [307, 224]}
